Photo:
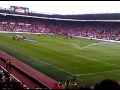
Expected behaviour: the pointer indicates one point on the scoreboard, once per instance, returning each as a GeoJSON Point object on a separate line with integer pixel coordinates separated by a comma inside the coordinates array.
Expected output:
{"type": "Point", "coordinates": [18, 9]}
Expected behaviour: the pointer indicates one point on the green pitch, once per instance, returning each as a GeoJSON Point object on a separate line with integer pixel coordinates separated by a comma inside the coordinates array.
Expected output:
{"type": "Point", "coordinates": [89, 60]}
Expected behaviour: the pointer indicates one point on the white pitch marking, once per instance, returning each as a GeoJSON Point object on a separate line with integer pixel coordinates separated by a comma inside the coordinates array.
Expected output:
{"type": "Point", "coordinates": [97, 60]}
{"type": "Point", "coordinates": [96, 72]}
{"type": "Point", "coordinates": [90, 45]}
{"type": "Point", "coordinates": [77, 46]}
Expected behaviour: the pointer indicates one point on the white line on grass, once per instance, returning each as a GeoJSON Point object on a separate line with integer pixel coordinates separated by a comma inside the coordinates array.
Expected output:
{"type": "Point", "coordinates": [52, 66]}
{"type": "Point", "coordinates": [97, 72]}
{"type": "Point", "coordinates": [60, 69]}
{"type": "Point", "coordinates": [93, 59]}
{"type": "Point", "coordinates": [89, 45]}
{"type": "Point", "coordinates": [77, 46]}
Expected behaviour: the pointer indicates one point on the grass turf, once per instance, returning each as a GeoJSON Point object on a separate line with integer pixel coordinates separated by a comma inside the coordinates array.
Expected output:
{"type": "Point", "coordinates": [89, 60]}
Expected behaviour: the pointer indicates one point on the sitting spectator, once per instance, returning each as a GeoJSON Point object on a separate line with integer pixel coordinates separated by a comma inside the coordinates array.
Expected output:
{"type": "Point", "coordinates": [36, 87]}
{"type": "Point", "coordinates": [67, 84]}
{"type": "Point", "coordinates": [22, 85]}
{"type": "Point", "coordinates": [74, 84]}
{"type": "Point", "coordinates": [1, 73]}
{"type": "Point", "coordinates": [61, 82]}
{"type": "Point", "coordinates": [57, 86]}
{"type": "Point", "coordinates": [62, 86]}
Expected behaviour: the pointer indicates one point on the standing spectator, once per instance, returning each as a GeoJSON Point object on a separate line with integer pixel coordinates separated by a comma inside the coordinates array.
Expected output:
{"type": "Point", "coordinates": [10, 64]}
{"type": "Point", "coordinates": [74, 78]}
{"type": "Point", "coordinates": [7, 64]}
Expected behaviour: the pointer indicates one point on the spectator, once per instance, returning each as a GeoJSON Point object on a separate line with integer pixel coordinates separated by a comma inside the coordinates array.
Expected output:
{"type": "Point", "coordinates": [108, 84]}
{"type": "Point", "coordinates": [7, 64]}
{"type": "Point", "coordinates": [67, 84]}
{"type": "Point", "coordinates": [10, 64]}
{"type": "Point", "coordinates": [22, 85]}
{"type": "Point", "coordinates": [62, 86]}
{"type": "Point", "coordinates": [57, 86]}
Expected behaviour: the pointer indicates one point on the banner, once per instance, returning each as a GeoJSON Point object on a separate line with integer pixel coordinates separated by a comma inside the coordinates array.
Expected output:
{"type": "Point", "coordinates": [20, 23]}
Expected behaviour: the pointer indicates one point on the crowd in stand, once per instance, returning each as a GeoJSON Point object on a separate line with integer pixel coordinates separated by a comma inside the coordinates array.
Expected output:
{"type": "Point", "coordinates": [99, 30]}
{"type": "Point", "coordinates": [8, 81]}
{"type": "Point", "coordinates": [68, 84]}
{"type": "Point", "coordinates": [106, 84]}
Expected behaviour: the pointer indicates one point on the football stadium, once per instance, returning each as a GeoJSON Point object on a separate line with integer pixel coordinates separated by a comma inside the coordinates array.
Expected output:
{"type": "Point", "coordinates": [42, 51]}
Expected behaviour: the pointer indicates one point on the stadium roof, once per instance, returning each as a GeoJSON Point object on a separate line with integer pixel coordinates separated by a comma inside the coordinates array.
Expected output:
{"type": "Point", "coordinates": [66, 7]}
{"type": "Point", "coordinates": [107, 17]}
{"type": "Point", "coordinates": [113, 17]}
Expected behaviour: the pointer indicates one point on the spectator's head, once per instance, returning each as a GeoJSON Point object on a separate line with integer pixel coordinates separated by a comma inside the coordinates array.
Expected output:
{"type": "Point", "coordinates": [108, 84]}
{"type": "Point", "coordinates": [61, 80]}
{"type": "Point", "coordinates": [56, 84]}
{"type": "Point", "coordinates": [60, 84]}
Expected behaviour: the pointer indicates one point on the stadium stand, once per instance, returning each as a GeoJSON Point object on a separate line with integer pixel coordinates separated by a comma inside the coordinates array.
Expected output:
{"type": "Point", "coordinates": [99, 30]}
{"type": "Point", "coordinates": [9, 81]}
{"type": "Point", "coordinates": [40, 79]}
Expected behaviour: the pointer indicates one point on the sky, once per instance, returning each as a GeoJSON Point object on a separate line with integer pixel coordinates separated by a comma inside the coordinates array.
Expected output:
{"type": "Point", "coordinates": [66, 7]}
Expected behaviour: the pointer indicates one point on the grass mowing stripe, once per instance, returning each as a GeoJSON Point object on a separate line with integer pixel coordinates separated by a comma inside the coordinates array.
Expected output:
{"type": "Point", "coordinates": [56, 67]}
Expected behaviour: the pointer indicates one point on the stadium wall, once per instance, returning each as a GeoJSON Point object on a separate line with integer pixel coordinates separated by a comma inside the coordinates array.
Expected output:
{"type": "Point", "coordinates": [21, 32]}
{"type": "Point", "coordinates": [99, 39]}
